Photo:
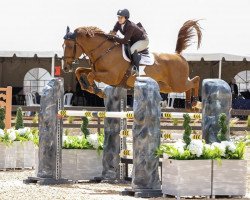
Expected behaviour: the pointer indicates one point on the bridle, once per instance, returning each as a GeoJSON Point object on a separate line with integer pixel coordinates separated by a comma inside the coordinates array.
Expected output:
{"type": "Point", "coordinates": [90, 53]}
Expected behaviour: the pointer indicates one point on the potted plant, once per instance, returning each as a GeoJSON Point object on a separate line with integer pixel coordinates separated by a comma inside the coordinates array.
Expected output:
{"type": "Point", "coordinates": [229, 175]}
{"type": "Point", "coordinates": [81, 156]}
{"type": "Point", "coordinates": [25, 148]}
{"type": "Point", "coordinates": [193, 168]}
{"type": "Point", "coordinates": [7, 151]}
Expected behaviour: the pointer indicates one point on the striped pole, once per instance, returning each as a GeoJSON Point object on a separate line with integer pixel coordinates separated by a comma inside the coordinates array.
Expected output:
{"type": "Point", "coordinates": [128, 115]}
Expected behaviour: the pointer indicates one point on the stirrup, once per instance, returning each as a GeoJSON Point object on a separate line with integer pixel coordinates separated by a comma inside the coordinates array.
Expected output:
{"type": "Point", "coordinates": [135, 70]}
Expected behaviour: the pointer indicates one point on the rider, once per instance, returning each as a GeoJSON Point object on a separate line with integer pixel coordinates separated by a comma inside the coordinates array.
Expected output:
{"type": "Point", "coordinates": [134, 35]}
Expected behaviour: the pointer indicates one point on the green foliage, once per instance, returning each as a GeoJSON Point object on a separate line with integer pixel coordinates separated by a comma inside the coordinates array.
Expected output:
{"type": "Point", "coordinates": [84, 125]}
{"type": "Point", "coordinates": [24, 134]}
{"type": "Point", "coordinates": [221, 136]}
{"type": "Point", "coordinates": [2, 117]}
{"type": "Point", "coordinates": [35, 119]}
{"type": "Point", "coordinates": [74, 142]}
{"type": "Point", "coordinates": [35, 133]}
{"type": "Point", "coordinates": [66, 132]}
{"type": "Point", "coordinates": [173, 153]}
{"type": "Point", "coordinates": [175, 121]}
{"type": "Point", "coordinates": [19, 119]}
{"type": "Point", "coordinates": [6, 140]}
{"type": "Point", "coordinates": [70, 119]}
{"type": "Point", "coordinates": [81, 142]}
{"type": "Point", "coordinates": [239, 152]}
{"type": "Point", "coordinates": [187, 129]}
{"type": "Point", "coordinates": [208, 152]}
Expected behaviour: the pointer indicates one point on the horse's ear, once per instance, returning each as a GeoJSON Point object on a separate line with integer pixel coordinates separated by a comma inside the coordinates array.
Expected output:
{"type": "Point", "coordinates": [67, 30]}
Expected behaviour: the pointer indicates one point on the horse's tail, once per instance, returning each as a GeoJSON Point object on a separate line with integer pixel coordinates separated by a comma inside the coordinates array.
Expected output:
{"type": "Point", "coordinates": [186, 34]}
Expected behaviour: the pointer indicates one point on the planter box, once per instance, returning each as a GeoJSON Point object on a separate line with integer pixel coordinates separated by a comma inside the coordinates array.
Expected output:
{"type": "Point", "coordinates": [8, 156]}
{"type": "Point", "coordinates": [229, 177]}
{"type": "Point", "coordinates": [80, 164]}
{"type": "Point", "coordinates": [186, 177]}
{"type": "Point", "coordinates": [25, 154]}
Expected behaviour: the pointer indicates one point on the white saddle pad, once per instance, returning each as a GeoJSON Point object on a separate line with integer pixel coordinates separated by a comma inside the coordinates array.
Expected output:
{"type": "Point", "coordinates": [146, 59]}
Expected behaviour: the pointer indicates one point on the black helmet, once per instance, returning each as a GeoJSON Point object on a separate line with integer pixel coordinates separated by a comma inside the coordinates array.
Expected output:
{"type": "Point", "coordinates": [124, 13]}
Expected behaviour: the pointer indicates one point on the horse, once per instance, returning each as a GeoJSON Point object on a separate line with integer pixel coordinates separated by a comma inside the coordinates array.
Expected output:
{"type": "Point", "coordinates": [171, 71]}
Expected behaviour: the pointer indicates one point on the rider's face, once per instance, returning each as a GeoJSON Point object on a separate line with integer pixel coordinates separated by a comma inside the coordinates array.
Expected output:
{"type": "Point", "coordinates": [121, 19]}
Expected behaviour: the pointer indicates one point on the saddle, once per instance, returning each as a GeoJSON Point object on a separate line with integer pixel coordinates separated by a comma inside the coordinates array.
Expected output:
{"type": "Point", "coordinates": [147, 58]}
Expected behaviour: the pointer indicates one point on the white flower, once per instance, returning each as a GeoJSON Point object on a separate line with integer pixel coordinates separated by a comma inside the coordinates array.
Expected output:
{"type": "Point", "coordinates": [23, 131]}
{"type": "Point", "coordinates": [230, 145]}
{"type": "Point", "coordinates": [220, 146]}
{"type": "Point", "coordinates": [10, 130]}
{"type": "Point", "coordinates": [12, 135]}
{"type": "Point", "coordinates": [65, 139]}
{"type": "Point", "coordinates": [93, 140]}
{"type": "Point", "coordinates": [207, 146]}
{"type": "Point", "coordinates": [179, 145]}
{"type": "Point", "coordinates": [195, 147]}
{"type": "Point", "coordinates": [2, 133]}
{"type": "Point", "coordinates": [79, 137]}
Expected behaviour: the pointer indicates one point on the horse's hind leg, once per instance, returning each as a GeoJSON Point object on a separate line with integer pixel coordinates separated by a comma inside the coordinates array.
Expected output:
{"type": "Point", "coordinates": [188, 104]}
{"type": "Point", "coordinates": [192, 86]}
{"type": "Point", "coordinates": [196, 82]}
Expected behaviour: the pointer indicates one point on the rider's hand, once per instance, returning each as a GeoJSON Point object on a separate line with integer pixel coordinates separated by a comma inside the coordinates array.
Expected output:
{"type": "Point", "coordinates": [110, 37]}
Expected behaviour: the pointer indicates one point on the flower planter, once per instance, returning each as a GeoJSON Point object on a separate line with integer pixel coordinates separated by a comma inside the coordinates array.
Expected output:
{"type": "Point", "coordinates": [78, 164]}
{"type": "Point", "coordinates": [8, 156]}
{"type": "Point", "coordinates": [186, 177]}
{"type": "Point", "coordinates": [229, 177]}
{"type": "Point", "coordinates": [25, 154]}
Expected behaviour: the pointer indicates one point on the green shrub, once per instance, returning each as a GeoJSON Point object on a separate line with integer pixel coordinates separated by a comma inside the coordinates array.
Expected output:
{"type": "Point", "coordinates": [35, 119]}
{"type": "Point", "coordinates": [2, 117]}
{"type": "Point", "coordinates": [175, 121]}
{"type": "Point", "coordinates": [19, 119]}
{"type": "Point", "coordinates": [84, 125]}
{"type": "Point", "coordinates": [187, 129]}
{"type": "Point", "coordinates": [70, 119]}
{"type": "Point", "coordinates": [223, 127]}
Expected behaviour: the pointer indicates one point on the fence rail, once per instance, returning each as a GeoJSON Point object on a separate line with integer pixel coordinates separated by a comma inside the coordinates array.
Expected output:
{"type": "Point", "coordinates": [37, 108]}
{"type": "Point", "coordinates": [98, 122]}
{"type": "Point", "coordinates": [166, 127]}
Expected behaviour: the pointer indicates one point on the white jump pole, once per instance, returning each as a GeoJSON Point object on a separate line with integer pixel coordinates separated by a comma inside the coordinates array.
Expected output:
{"type": "Point", "coordinates": [129, 114]}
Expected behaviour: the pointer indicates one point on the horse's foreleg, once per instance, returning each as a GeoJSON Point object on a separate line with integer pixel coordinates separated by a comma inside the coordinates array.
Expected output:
{"type": "Point", "coordinates": [86, 80]}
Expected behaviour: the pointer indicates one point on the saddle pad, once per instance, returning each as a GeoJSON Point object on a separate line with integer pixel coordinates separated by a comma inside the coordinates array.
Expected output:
{"type": "Point", "coordinates": [146, 59]}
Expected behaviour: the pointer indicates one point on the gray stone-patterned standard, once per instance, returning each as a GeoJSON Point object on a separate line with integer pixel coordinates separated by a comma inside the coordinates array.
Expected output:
{"type": "Point", "coordinates": [111, 148]}
{"type": "Point", "coordinates": [146, 135]}
{"type": "Point", "coordinates": [50, 138]}
{"type": "Point", "coordinates": [216, 99]}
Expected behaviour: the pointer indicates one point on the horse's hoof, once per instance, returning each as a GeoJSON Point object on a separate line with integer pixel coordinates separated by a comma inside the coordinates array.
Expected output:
{"type": "Point", "coordinates": [197, 105]}
{"type": "Point", "coordinates": [91, 89]}
{"type": "Point", "coordinates": [101, 95]}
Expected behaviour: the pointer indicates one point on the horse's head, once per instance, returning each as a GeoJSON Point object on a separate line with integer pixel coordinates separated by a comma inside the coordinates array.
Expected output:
{"type": "Point", "coordinates": [72, 51]}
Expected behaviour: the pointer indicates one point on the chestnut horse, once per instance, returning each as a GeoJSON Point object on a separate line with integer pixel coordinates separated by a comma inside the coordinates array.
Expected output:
{"type": "Point", "coordinates": [171, 71]}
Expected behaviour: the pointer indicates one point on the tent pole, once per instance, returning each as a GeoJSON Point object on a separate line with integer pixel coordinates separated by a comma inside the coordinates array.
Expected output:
{"type": "Point", "coordinates": [220, 68]}
{"type": "Point", "coordinates": [53, 66]}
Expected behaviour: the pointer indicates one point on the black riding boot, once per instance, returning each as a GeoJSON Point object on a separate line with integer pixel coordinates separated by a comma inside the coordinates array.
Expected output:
{"type": "Point", "coordinates": [135, 61]}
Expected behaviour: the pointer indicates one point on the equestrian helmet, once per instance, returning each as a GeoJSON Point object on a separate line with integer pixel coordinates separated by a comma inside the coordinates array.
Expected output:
{"type": "Point", "coordinates": [124, 13]}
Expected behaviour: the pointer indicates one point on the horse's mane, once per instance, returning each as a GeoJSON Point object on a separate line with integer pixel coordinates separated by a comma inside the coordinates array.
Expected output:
{"type": "Point", "coordinates": [89, 31]}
